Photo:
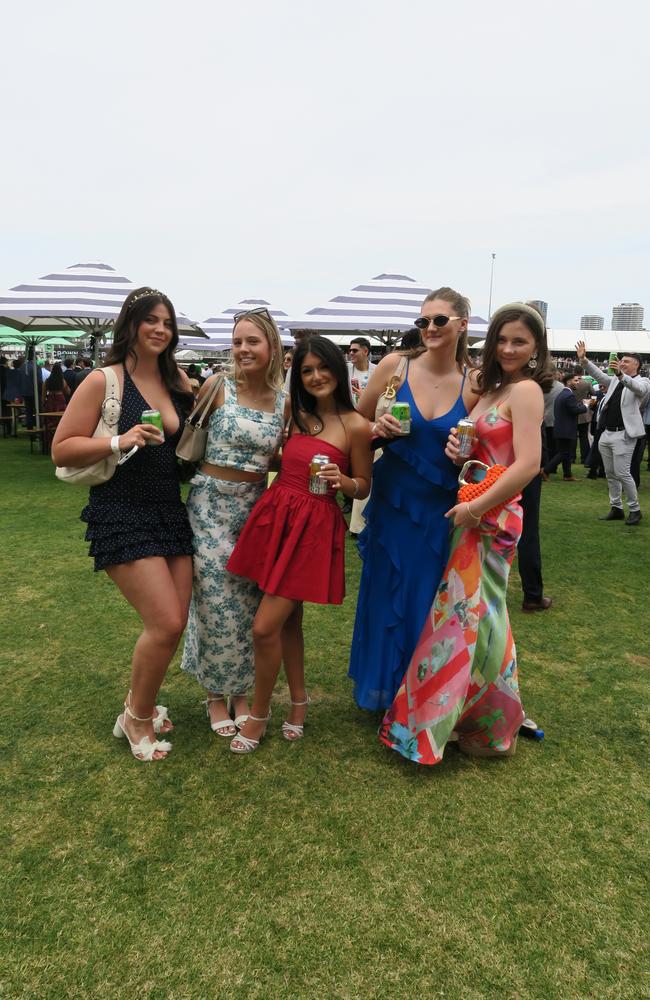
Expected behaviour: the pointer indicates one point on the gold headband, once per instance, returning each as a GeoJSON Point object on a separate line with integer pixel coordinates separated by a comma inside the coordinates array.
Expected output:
{"type": "Point", "coordinates": [146, 294]}
{"type": "Point", "coordinates": [525, 308]}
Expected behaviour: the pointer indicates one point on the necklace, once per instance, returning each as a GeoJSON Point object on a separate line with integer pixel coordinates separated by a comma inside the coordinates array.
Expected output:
{"type": "Point", "coordinates": [317, 428]}
{"type": "Point", "coordinates": [246, 393]}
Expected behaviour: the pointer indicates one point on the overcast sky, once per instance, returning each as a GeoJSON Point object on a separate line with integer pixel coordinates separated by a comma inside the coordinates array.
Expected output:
{"type": "Point", "coordinates": [290, 150]}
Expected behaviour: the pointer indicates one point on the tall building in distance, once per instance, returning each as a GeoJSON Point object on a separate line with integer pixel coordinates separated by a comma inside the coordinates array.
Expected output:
{"type": "Point", "coordinates": [541, 307]}
{"type": "Point", "coordinates": [627, 316]}
{"type": "Point", "coordinates": [592, 322]}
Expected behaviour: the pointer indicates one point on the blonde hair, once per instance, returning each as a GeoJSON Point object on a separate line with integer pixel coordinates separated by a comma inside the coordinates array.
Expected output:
{"type": "Point", "coordinates": [462, 306]}
{"type": "Point", "coordinates": [275, 373]}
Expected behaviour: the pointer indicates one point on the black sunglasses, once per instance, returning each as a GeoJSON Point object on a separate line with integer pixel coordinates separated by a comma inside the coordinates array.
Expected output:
{"type": "Point", "coordinates": [259, 311]}
{"type": "Point", "coordinates": [423, 322]}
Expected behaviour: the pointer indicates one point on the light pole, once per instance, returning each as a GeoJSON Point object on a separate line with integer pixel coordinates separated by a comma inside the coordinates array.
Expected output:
{"type": "Point", "coordinates": [491, 284]}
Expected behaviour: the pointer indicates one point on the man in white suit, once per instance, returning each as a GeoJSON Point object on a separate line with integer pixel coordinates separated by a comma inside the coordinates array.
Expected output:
{"type": "Point", "coordinates": [627, 392]}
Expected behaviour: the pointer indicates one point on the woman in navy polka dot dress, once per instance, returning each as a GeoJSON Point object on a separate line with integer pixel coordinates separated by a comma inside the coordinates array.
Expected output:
{"type": "Point", "coordinates": [137, 525]}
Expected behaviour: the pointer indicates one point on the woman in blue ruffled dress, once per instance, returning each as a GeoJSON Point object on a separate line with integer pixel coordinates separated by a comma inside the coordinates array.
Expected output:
{"type": "Point", "coordinates": [405, 543]}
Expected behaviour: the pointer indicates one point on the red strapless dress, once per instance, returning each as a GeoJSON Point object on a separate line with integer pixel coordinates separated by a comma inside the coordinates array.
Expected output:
{"type": "Point", "coordinates": [293, 542]}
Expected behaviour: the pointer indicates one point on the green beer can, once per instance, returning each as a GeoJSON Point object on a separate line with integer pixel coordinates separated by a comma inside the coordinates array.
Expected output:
{"type": "Point", "coordinates": [153, 417]}
{"type": "Point", "coordinates": [402, 412]}
{"type": "Point", "coordinates": [612, 357]}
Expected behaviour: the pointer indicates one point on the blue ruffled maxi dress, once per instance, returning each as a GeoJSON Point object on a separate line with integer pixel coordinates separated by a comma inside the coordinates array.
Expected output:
{"type": "Point", "coordinates": [404, 548]}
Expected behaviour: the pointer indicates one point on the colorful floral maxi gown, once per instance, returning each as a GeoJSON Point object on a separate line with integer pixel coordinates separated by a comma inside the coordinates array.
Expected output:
{"type": "Point", "coordinates": [463, 674]}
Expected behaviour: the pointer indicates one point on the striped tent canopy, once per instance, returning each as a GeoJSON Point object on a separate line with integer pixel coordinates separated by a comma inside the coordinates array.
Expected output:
{"type": "Point", "coordinates": [219, 328]}
{"type": "Point", "coordinates": [85, 297]}
{"type": "Point", "coordinates": [387, 303]}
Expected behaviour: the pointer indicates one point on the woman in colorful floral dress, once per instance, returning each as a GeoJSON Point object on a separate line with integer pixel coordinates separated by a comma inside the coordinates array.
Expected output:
{"type": "Point", "coordinates": [244, 434]}
{"type": "Point", "coordinates": [462, 677]}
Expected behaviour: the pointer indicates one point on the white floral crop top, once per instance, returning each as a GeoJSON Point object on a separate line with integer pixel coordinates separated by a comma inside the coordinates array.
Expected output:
{"type": "Point", "coordinates": [242, 438]}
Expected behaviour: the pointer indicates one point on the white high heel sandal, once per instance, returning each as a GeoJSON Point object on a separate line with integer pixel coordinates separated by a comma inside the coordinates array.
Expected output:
{"type": "Point", "coordinates": [159, 719]}
{"type": "Point", "coordinates": [223, 727]}
{"type": "Point", "coordinates": [145, 749]}
{"type": "Point", "coordinates": [291, 730]}
{"type": "Point", "coordinates": [246, 744]}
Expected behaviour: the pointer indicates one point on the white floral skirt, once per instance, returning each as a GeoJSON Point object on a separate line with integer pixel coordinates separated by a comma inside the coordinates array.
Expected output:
{"type": "Point", "coordinates": [218, 640]}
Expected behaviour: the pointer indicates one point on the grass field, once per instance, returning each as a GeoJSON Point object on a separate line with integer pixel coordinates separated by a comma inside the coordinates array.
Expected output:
{"type": "Point", "coordinates": [330, 868]}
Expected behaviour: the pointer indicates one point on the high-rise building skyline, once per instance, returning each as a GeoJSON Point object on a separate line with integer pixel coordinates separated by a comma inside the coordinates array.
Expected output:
{"type": "Point", "coordinates": [592, 322]}
{"type": "Point", "coordinates": [540, 305]}
{"type": "Point", "coordinates": [627, 316]}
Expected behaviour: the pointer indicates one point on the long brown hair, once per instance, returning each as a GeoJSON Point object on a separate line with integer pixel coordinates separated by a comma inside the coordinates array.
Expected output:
{"type": "Point", "coordinates": [461, 305]}
{"type": "Point", "coordinates": [491, 374]}
{"type": "Point", "coordinates": [135, 309]}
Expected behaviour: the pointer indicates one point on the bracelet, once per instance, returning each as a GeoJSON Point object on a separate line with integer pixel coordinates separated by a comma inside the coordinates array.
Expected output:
{"type": "Point", "coordinates": [356, 486]}
{"type": "Point", "coordinates": [473, 516]}
{"type": "Point", "coordinates": [115, 445]}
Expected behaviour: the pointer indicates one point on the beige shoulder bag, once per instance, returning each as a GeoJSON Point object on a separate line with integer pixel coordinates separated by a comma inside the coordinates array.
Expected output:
{"type": "Point", "coordinates": [191, 446]}
{"type": "Point", "coordinates": [387, 397]}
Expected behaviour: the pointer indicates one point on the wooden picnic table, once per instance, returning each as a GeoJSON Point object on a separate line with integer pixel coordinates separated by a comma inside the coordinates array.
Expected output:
{"type": "Point", "coordinates": [15, 409]}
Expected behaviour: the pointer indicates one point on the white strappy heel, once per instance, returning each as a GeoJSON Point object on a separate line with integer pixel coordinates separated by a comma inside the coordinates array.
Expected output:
{"type": "Point", "coordinates": [246, 744]}
{"type": "Point", "coordinates": [223, 727]}
{"type": "Point", "coordinates": [291, 730]}
{"type": "Point", "coordinates": [159, 719]}
{"type": "Point", "coordinates": [145, 749]}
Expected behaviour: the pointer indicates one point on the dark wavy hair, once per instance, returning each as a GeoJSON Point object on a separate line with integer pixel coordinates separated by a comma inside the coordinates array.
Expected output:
{"type": "Point", "coordinates": [137, 306]}
{"type": "Point", "coordinates": [55, 381]}
{"type": "Point", "coordinates": [329, 354]}
{"type": "Point", "coordinates": [491, 374]}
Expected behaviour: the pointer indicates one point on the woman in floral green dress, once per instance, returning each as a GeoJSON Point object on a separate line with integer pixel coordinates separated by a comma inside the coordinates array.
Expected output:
{"type": "Point", "coordinates": [244, 434]}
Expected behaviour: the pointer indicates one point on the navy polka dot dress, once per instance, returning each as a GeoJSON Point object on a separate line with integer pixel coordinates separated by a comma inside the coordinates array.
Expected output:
{"type": "Point", "coordinates": [139, 512]}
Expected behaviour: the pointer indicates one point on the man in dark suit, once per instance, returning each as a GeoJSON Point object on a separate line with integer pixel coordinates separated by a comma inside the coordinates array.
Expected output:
{"type": "Point", "coordinates": [69, 374]}
{"type": "Point", "coordinates": [582, 393]}
{"type": "Point", "coordinates": [567, 410]}
{"type": "Point", "coordinates": [529, 554]}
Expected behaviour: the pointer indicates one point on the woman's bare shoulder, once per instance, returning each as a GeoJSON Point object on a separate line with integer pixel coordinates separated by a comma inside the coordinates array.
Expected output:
{"type": "Point", "coordinates": [389, 362]}
{"type": "Point", "coordinates": [526, 390]}
{"type": "Point", "coordinates": [356, 423]}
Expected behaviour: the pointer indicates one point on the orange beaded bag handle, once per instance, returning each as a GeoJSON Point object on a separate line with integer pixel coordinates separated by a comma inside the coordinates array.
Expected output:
{"type": "Point", "coordinates": [471, 490]}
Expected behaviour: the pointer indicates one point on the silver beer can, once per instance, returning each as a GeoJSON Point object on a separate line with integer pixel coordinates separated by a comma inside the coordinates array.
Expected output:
{"type": "Point", "coordinates": [317, 484]}
{"type": "Point", "coordinates": [466, 431]}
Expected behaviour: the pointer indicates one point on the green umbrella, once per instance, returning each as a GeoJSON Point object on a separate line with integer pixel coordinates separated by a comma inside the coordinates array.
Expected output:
{"type": "Point", "coordinates": [27, 340]}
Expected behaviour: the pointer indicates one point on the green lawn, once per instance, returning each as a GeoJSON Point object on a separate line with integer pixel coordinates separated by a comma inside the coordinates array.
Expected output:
{"type": "Point", "coordinates": [330, 868]}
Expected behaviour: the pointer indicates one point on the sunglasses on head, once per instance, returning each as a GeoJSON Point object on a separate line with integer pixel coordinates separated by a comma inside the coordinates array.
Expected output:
{"type": "Point", "coordinates": [259, 311]}
{"type": "Point", "coordinates": [423, 322]}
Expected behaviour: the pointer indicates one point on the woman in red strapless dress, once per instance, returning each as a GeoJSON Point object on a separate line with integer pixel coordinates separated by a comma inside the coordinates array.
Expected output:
{"type": "Point", "coordinates": [293, 542]}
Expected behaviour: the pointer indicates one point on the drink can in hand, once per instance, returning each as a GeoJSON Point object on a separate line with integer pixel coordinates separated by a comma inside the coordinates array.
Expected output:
{"type": "Point", "coordinates": [402, 412]}
{"type": "Point", "coordinates": [612, 357]}
{"type": "Point", "coordinates": [153, 417]}
{"type": "Point", "coordinates": [317, 484]}
{"type": "Point", "coordinates": [466, 431]}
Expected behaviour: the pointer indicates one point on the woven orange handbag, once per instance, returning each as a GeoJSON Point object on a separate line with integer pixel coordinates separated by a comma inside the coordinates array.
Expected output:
{"type": "Point", "coordinates": [475, 488]}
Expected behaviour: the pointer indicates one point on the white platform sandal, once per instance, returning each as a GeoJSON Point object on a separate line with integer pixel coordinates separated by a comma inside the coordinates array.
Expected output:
{"type": "Point", "coordinates": [291, 730]}
{"type": "Point", "coordinates": [246, 744]}
{"type": "Point", "coordinates": [224, 727]}
{"type": "Point", "coordinates": [159, 719]}
{"type": "Point", "coordinates": [145, 749]}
